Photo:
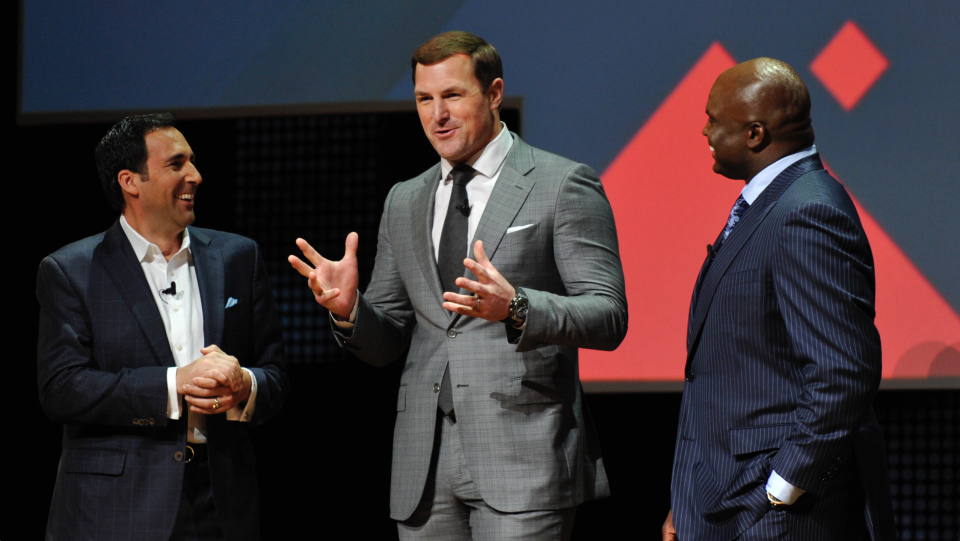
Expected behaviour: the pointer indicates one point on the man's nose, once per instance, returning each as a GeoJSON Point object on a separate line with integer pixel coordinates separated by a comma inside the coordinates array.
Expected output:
{"type": "Point", "coordinates": [193, 175]}
{"type": "Point", "coordinates": [440, 111]}
{"type": "Point", "coordinates": [704, 130]}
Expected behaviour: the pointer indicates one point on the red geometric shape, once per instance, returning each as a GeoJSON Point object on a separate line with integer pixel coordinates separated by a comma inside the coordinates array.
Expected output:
{"type": "Point", "coordinates": [849, 65]}
{"type": "Point", "coordinates": [669, 204]}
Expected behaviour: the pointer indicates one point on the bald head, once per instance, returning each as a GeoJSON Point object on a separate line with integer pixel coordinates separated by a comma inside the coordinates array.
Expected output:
{"type": "Point", "coordinates": [759, 112]}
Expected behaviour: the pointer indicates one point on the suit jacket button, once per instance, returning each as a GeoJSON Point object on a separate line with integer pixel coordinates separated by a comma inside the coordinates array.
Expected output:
{"type": "Point", "coordinates": [691, 377]}
{"type": "Point", "coordinates": [178, 456]}
{"type": "Point", "coordinates": [451, 333]}
{"type": "Point", "coordinates": [436, 387]}
{"type": "Point", "coordinates": [136, 421]}
{"type": "Point", "coordinates": [150, 420]}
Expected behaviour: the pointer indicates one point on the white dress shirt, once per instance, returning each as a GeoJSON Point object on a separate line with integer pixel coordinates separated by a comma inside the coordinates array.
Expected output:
{"type": "Point", "coordinates": [182, 315]}
{"type": "Point", "coordinates": [487, 163]}
{"type": "Point", "coordinates": [777, 486]}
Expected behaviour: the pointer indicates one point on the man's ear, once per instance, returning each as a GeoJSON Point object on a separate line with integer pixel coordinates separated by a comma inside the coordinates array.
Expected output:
{"type": "Point", "coordinates": [757, 136]}
{"type": "Point", "coordinates": [129, 182]}
{"type": "Point", "coordinates": [495, 91]}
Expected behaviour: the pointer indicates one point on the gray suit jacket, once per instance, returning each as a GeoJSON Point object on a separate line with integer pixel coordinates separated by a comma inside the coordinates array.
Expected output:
{"type": "Point", "coordinates": [527, 436]}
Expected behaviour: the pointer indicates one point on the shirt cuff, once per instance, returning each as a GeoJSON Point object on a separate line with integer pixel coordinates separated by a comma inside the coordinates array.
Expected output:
{"type": "Point", "coordinates": [351, 321]}
{"type": "Point", "coordinates": [781, 489]}
{"type": "Point", "coordinates": [244, 416]}
{"type": "Point", "coordinates": [173, 398]}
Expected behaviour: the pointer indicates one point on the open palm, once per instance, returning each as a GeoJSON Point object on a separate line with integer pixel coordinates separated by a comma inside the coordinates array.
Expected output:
{"type": "Point", "coordinates": [334, 283]}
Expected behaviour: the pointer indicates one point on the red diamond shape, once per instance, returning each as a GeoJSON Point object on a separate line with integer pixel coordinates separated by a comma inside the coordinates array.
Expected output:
{"type": "Point", "coordinates": [849, 65]}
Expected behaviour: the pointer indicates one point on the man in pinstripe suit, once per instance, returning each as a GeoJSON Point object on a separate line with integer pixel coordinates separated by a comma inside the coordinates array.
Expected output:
{"type": "Point", "coordinates": [134, 326]}
{"type": "Point", "coordinates": [492, 439]}
{"type": "Point", "coordinates": [777, 437]}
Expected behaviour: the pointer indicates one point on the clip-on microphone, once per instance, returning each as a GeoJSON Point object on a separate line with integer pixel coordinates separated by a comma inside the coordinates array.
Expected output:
{"type": "Point", "coordinates": [172, 290]}
{"type": "Point", "coordinates": [464, 209]}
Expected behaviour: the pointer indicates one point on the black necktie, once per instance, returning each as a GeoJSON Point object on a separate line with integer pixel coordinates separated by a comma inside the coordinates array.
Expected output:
{"type": "Point", "coordinates": [453, 249]}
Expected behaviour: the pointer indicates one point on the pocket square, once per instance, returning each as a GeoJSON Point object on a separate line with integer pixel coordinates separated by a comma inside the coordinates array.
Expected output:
{"type": "Point", "coordinates": [231, 302]}
{"type": "Point", "coordinates": [516, 228]}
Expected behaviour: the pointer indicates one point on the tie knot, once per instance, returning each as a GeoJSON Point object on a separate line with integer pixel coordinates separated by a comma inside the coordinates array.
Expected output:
{"type": "Point", "coordinates": [462, 174]}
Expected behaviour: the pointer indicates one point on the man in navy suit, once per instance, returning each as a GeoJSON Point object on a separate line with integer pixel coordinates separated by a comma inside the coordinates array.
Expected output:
{"type": "Point", "coordinates": [159, 345]}
{"type": "Point", "coordinates": [777, 436]}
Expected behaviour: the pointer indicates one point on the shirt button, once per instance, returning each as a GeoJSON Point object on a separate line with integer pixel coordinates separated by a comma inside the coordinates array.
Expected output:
{"type": "Point", "coordinates": [179, 348]}
{"type": "Point", "coordinates": [176, 308]}
{"type": "Point", "coordinates": [170, 273]}
{"type": "Point", "coordinates": [178, 456]}
{"type": "Point", "coordinates": [452, 333]}
{"type": "Point", "coordinates": [436, 387]}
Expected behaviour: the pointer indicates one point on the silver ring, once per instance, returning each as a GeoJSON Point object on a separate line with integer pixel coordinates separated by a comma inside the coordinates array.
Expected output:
{"type": "Point", "coordinates": [216, 402]}
{"type": "Point", "coordinates": [478, 302]}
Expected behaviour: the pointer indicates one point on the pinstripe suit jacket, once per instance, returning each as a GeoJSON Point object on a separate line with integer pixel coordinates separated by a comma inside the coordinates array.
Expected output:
{"type": "Point", "coordinates": [783, 363]}
{"type": "Point", "coordinates": [527, 437]}
{"type": "Point", "coordinates": [102, 360]}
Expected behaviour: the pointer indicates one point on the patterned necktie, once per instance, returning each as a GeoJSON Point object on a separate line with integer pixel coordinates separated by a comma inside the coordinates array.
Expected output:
{"type": "Point", "coordinates": [735, 213]}
{"type": "Point", "coordinates": [453, 249]}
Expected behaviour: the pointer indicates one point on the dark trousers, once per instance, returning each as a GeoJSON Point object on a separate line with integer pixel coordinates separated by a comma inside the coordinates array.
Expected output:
{"type": "Point", "coordinates": [197, 519]}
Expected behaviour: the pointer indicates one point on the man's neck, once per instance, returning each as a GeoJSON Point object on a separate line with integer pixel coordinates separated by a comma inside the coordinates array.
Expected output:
{"type": "Point", "coordinates": [167, 239]}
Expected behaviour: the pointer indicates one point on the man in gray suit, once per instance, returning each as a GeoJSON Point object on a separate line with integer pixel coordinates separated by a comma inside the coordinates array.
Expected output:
{"type": "Point", "coordinates": [493, 440]}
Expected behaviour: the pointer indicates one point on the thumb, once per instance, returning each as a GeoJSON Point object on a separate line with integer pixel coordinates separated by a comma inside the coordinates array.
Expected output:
{"type": "Point", "coordinates": [350, 246]}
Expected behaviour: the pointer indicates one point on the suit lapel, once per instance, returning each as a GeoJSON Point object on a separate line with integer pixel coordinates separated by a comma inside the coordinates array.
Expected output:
{"type": "Point", "coordinates": [735, 242]}
{"type": "Point", "coordinates": [509, 194]}
{"type": "Point", "coordinates": [208, 263]}
{"type": "Point", "coordinates": [422, 212]}
{"type": "Point", "coordinates": [120, 261]}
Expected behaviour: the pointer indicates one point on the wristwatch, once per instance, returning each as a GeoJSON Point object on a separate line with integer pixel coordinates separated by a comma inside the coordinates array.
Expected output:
{"type": "Point", "coordinates": [775, 502]}
{"type": "Point", "coordinates": [519, 306]}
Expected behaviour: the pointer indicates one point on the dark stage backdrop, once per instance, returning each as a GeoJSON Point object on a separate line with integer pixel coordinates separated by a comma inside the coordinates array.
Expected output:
{"type": "Point", "coordinates": [324, 463]}
{"type": "Point", "coordinates": [620, 86]}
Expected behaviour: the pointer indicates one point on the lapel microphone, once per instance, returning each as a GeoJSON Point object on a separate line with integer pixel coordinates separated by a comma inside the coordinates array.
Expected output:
{"type": "Point", "coordinates": [464, 209]}
{"type": "Point", "coordinates": [711, 252]}
{"type": "Point", "coordinates": [172, 290]}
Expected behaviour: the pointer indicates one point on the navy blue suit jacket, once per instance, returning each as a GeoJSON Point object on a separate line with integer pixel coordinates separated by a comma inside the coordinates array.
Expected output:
{"type": "Point", "coordinates": [783, 363]}
{"type": "Point", "coordinates": [102, 360]}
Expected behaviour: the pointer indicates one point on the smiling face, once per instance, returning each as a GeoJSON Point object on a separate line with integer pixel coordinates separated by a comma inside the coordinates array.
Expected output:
{"type": "Point", "coordinates": [458, 116]}
{"type": "Point", "coordinates": [165, 196]}
{"type": "Point", "coordinates": [728, 130]}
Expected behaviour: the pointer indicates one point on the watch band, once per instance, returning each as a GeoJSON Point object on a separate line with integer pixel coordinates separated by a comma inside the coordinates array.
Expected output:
{"type": "Point", "coordinates": [776, 502]}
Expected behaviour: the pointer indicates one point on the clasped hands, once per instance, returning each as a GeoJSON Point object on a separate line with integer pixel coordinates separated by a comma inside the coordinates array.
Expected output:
{"type": "Point", "coordinates": [334, 283]}
{"type": "Point", "coordinates": [213, 383]}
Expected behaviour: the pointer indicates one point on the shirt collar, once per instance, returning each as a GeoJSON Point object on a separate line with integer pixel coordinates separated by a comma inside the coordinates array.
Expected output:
{"type": "Point", "coordinates": [489, 160]}
{"type": "Point", "coordinates": [764, 178]}
{"type": "Point", "coordinates": [141, 246]}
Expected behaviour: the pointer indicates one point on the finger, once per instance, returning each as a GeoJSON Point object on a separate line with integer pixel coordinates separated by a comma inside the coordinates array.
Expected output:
{"type": "Point", "coordinates": [220, 376]}
{"type": "Point", "coordinates": [312, 255]}
{"type": "Point", "coordinates": [476, 288]}
{"type": "Point", "coordinates": [206, 383]}
{"type": "Point", "coordinates": [479, 254]}
{"type": "Point", "coordinates": [462, 310]}
{"type": "Point", "coordinates": [202, 392]}
{"type": "Point", "coordinates": [350, 246]}
{"type": "Point", "coordinates": [463, 300]}
{"type": "Point", "coordinates": [211, 348]}
{"type": "Point", "coordinates": [299, 265]}
{"type": "Point", "coordinates": [313, 282]}
{"type": "Point", "coordinates": [328, 295]}
{"type": "Point", "coordinates": [484, 274]}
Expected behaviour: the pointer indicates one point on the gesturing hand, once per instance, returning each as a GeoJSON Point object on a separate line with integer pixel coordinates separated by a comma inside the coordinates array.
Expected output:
{"type": "Point", "coordinates": [492, 292]}
{"type": "Point", "coordinates": [334, 283]}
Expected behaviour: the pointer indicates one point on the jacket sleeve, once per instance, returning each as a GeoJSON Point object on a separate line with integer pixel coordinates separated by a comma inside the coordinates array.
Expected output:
{"type": "Point", "coordinates": [593, 313]}
{"type": "Point", "coordinates": [268, 364]}
{"type": "Point", "coordinates": [824, 283]}
{"type": "Point", "coordinates": [73, 390]}
{"type": "Point", "coordinates": [385, 315]}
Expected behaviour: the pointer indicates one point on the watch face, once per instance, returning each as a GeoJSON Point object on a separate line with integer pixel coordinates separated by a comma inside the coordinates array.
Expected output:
{"type": "Point", "coordinates": [522, 306]}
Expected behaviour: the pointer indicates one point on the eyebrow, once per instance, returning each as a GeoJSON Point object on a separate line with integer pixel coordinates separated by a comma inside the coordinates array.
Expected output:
{"type": "Point", "coordinates": [179, 157]}
{"type": "Point", "coordinates": [454, 88]}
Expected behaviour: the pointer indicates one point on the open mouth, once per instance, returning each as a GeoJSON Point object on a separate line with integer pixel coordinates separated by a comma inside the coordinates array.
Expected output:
{"type": "Point", "coordinates": [186, 197]}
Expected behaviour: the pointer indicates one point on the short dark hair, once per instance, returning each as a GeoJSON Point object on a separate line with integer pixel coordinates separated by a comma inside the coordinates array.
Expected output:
{"type": "Point", "coordinates": [125, 147]}
{"type": "Point", "coordinates": [486, 61]}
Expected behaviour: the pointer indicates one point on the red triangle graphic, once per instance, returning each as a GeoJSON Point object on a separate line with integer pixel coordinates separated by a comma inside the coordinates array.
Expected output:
{"type": "Point", "coordinates": [669, 204]}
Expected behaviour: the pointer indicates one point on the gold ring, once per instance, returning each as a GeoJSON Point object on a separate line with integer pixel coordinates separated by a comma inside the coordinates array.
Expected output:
{"type": "Point", "coordinates": [216, 402]}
